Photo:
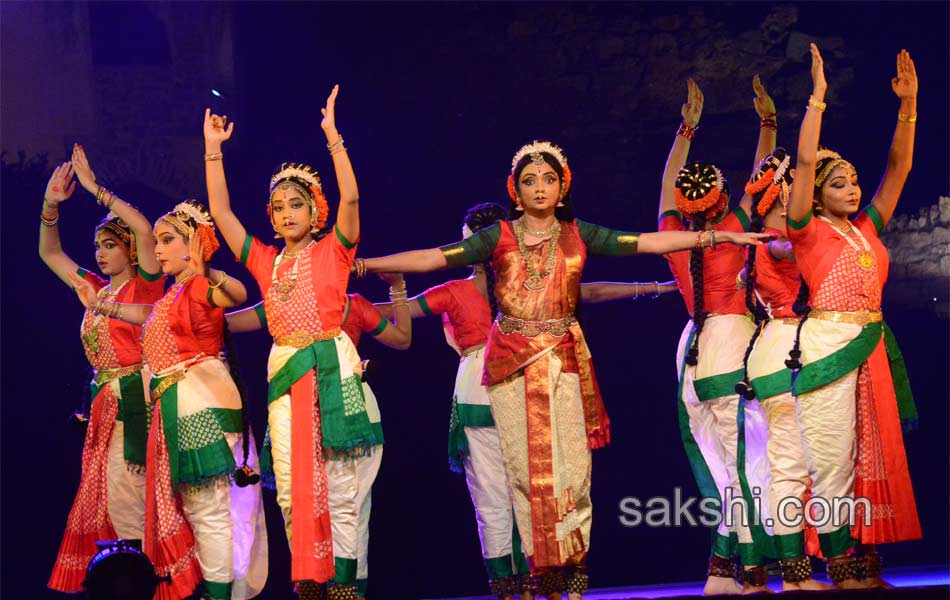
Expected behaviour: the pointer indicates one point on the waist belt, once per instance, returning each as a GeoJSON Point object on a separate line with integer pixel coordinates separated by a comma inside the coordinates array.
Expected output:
{"type": "Point", "coordinates": [301, 340]}
{"type": "Point", "coordinates": [858, 317]}
{"type": "Point", "coordinates": [555, 327]}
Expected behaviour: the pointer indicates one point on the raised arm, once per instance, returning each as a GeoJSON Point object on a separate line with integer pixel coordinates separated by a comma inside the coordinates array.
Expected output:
{"type": "Point", "coordinates": [901, 154]}
{"type": "Point", "coordinates": [765, 108]}
{"type": "Point", "coordinates": [348, 213]}
{"type": "Point", "coordinates": [130, 313]}
{"type": "Point", "coordinates": [141, 228]}
{"type": "Point", "coordinates": [60, 187]}
{"type": "Point", "coordinates": [219, 201]}
{"type": "Point", "coordinates": [800, 203]}
{"type": "Point", "coordinates": [245, 320]}
{"type": "Point", "coordinates": [605, 291]}
{"type": "Point", "coordinates": [691, 112]}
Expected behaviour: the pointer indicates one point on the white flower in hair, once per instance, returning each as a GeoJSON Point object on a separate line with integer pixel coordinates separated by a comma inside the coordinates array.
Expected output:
{"type": "Point", "coordinates": [537, 147]}
{"type": "Point", "coordinates": [824, 153]}
{"type": "Point", "coordinates": [302, 172]}
{"type": "Point", "coordinates": [780, 171]}
{"type": "Point", "coordinates": [719, 177]}
{"type": "Point", "coordinates": [193, 212]}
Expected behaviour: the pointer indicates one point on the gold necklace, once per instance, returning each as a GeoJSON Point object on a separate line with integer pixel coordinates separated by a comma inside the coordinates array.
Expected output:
{"type": "Point", "coordinates": [91, 338]}
{"type": "Point", "coordinates": [538, 234]}
{"type": "Point", "coordinates": [286, 254]}
{"type": "Point", "coordinates": [865, 257]}
{"type": "Point", "coordinates": [534, 282]}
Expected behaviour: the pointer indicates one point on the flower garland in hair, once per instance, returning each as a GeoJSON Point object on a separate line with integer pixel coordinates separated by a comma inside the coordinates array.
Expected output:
{"type": "Point", "coordinates": [535, 149]}
{"type": "Point", "coordinates": [308, 181]}
{"type": "Point", "coordinates": [202, 226]}
{"type": "Point", "coordinates": [831, 159]}
{"type": "Point", "coordinates": [772, 180]}
{"type": "Point", "coordinates": [699, 187]}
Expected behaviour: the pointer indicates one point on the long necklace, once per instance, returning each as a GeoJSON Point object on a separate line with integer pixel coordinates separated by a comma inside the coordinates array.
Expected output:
{"type": "Point", "coordinates": [865, 257]}
{"type": "Point", "coordinates": [534, 282]}
{"type": "Point", "coordinates": [285, 285]}
{"type": "Point", "coordinates": [91, 337]}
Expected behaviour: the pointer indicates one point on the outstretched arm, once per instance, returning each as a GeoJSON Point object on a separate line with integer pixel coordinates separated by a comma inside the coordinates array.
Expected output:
{"type": "Point", "coordinates": [765, 108]}
{"type": "Point", "coordinates": [348, 213]}
{"type": "Point", "coordinates": [216, 132]}
{"type": "Point", "coordinates": [664, 242]}
{"type": "Point", "coordinates": [414, 261]}
{"type": "Point", "coordinates": [800, 203]}
{"type": "Point", "coordinates": [415, 308]}
{"type": "Point", "coordinates": [605, 291]}
{"type": "Point", "coordinates": [901, 155]}
{"type": "Point", "coordinates": [141, 228]}
{"type": "Point", "coordinates": [60, 187]}
{"type": "Point", "coordinates": [691, 112]}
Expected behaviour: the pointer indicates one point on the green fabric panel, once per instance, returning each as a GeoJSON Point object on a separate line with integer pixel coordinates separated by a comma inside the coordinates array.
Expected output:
{"type": "Point", "coordinates": [475, 249]}
{"type": "Point", "coordinates": [762, 545]}
{"type": "Point", "coordinates": [724, 546]}
{"type": "Point", "coordinates": [209, 296]}
{"type": "Point", "coordinates": [799, 224]}
{"type": "Point", "coordinates": [339, 235]}
{"type": "Point", "coordinates": [772, 384]}
{"type": "Point", "coordinates": [837, 542]}
{"type": "Point", "coordinates": [343, 427]}
{"type": "Point", "coordinates": [743, 218]}
{"type": "Point", "coordinates": [424, 305]}
{"type": "Point", "coordinates": [499, 567]}
{"type": "Point", "coordinates": [261, 314]}
{"type": "Point", "coordinates": [268, 479]}
{"type": "Point", "coordinates": [245, 250]}
{"type": "Point", "coordinates": [458, 442]}
{"type": "Point", "coordinates": [217, 591]}
{"type": "Point", "coordinates": [517, 553]}
{"type": "Point", "coordinates": [607, 242]}
{"type": "Point", "coordinates": [717, 386]}
{"type": "Point", "coordinates": [906, 407]}
{"type": "Point", "coordinates": [299, 365]}
{"type": "Point", "coordinates": [134, 412]}
{"type": "Point", "coordinates": [838, 364]}
{"type": "Point", "coordinates": [362, 586]}
{"type": "Point", "coordinates": [379, 328]}
{"type": "Point", "coordinates": [203, 451]}
{"type": "Point", "coordinates": [345, 570]}
{"type": "Point", "coordinates": [149, 276]}
{"type": "Point", "coordinates": [475, 415]}
{"type": "Point", "coordinates": [875, 216]}
{"type": "Point", "coordinates": [377, 429]}
{"type": "Point", "coordinates": [169, 408]}
{"type": "Point", "coordinates": [670, 213]}
{"type": "Point", "coordinates": [790, 545]}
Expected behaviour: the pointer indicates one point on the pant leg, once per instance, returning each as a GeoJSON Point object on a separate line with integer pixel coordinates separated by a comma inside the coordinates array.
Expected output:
{"type": "Point", "coordinates": [278, 419]}
{"type": "Point", "coordinates": [367, 468]}
{"type": "Point", "coordinates": [126, 490]}
{"type": "Point", "coordinates": [343, 487]}
{"type": "Point", "coordinates": [208, 511]}
{"type": "Point", "coordinates": [488, 486]}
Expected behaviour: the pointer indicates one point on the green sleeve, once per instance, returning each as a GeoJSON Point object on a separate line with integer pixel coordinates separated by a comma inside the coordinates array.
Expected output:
{"type": "Point", "coordinates": [607, 242]}
{"type": "Point", "coordinates": [474, 249]}
{"type": "Point", "coordinates": [261, 315]}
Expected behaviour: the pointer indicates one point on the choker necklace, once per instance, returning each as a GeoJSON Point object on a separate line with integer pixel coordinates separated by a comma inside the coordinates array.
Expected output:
{"type": "Point", "coordinates": [538, 234]}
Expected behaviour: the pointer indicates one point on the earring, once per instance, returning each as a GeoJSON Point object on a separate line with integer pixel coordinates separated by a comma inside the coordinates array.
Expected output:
{"type": "Point", "coordinates": [560, 204]}
{"type": "Point", "coordinates": [518, 207]}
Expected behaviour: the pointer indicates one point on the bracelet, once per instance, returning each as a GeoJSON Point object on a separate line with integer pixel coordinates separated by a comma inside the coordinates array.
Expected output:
{"type": "Point", "coordinates": [815, 102]}
{"type": "Point", "coordinates": [99, 194]}
{"type": "Point", "coordinates": [686, 131]}
{"type": "Point", "coordinates": [359, 268]}
{"type": "Point", "coordinates": [338, 150]}
{"type": "Point", "coordinates": [338, 142]}
{"type": "Point", "coordinates": [906, 118]}
{"type": "Point", "coordinates": [49, 222]}
{"type": "Point", "coordinates": [656, 289]}
{"type": "Point", "coordinates": [769, 122]}
{"type": "Point", "coordinates": [224, 279]}
{"type": "Point", "coordinates": [97, 309]}
{"type": "Point", "coordinates": [214, 156]}
{"type": "Point", "coordinates": [111, 200]}
{"type": "Point", "coordinates": [712, 235]}
{"type": "Point", "coordinates": [48, 204]}
{"type": "Point", "coordinates": [700, 242]}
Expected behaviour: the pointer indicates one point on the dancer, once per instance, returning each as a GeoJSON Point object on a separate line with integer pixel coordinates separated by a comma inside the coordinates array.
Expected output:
{"type": "Point", "coordinates": [724, 437]}
{"type": "Point", "coordinates": [537, 364]}
{"type": "Point", "coordinates": [110, 501]}
{"type": "Point", "coordinates": [316, 408]}
{"type": "Point", "coordinates": [848, 407]}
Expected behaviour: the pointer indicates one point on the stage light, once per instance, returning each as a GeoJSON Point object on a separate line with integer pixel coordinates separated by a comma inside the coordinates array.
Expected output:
{"type": "Point", "coordinates": [120, 571]}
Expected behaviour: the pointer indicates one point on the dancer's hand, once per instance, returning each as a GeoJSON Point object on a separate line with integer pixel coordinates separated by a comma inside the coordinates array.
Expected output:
{"type": "Point", "coordinates": [764, 105]}
{"type": "Point", "coordinates": [217, 130]}
{"type": "Point", "coordinates": [905, 84]}
{"type": "Point", "coordinates": [328, 124]}
{"type": "Point", "coordinates": [693, 109]}
{"type": "Point", "coordinates": [61, 185]}
{"type": "Point", "coordinates": [744, 238]}
{"type": "Point", "coordinates": [85, 174]}
{"type": "Point", "coordinates": [196, 255]}
{"type": "Point", "coordinates": [84, 290]}
{"type": "Point", "coordinates": [819, 85]}
{"type": "Point", "coordinates": [393, 279]}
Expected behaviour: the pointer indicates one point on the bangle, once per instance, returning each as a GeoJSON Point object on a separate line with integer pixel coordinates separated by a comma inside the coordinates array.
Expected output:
{"type": "Point", "coordinates": [48, 204]}
{"type": "Point", "coordinates": [214, 156]}
{"type": "Point", "coordinates": [815, 102]}
{"type": "Point", "coordinates": [49, 222]}
{"type": "Point", "coordinates": [338, 142]}
{"type": "Point", "coordinates": [906, 118]}
{"type": "Point", "coordinates": [686, 131]}
{"type": "Point", "coordinates": [769, 122]}
{"type": "Point", "coordinates": [111, 200]}
{"type": "Point", "coordinates": [224, 279]}
{"type": "Point", "coordinates": [712, 235]}
{"type": "Point", "coordinates": [99, 194]}
{"type": "Point", "coordinates": [359, 268]}
{"type": "Point", "coordinates": [656, 289]}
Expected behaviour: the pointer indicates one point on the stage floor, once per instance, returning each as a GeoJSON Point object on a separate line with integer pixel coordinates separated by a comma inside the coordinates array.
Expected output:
{"type": "Point", "coordinates": [912, 577]}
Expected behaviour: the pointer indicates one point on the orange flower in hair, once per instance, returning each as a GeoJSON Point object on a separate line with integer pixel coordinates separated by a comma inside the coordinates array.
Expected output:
{"type": "Point", "coordinates": [512, 193]}
{"type": "Point", "coordinates": [699, 189]}
{"type": "Point", "coordinates": [567, 181]}
{"type": "Point", "coordinates": [209, 241]}
{"type": "Point", "coordinates": [320, 207]}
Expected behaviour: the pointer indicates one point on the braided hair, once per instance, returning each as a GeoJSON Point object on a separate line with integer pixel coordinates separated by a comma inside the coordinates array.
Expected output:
{"type": "Point", "coordinates": [243, 475]}
{"type": "Point", "coordinates": [771, 178]}
{"type": "Point", "coordinates": [562, 213]}
{"type": "Point", "coordinates": [477, 218]}
{"type": "Point", "coordinates": [702, 193]}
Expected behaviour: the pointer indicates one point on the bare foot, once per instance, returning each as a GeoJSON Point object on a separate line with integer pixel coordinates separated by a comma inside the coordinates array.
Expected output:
{"type": "Point", "coordinates": [555, 596]}
{"type": "Point", "coordinates": [876, 582]}
{"type": "Point", "coordinates": [807, 585]}
{"type": "Point", "coordinates": [755, 589]}
{"type": "Point", "coordinates": [716, 586]}
{"type": "Point", "coordinates": [526, 596]}
{"type": "Point", "coordinates": [851, 584]}
{"type": "Point", "coordinates": [574, 596]}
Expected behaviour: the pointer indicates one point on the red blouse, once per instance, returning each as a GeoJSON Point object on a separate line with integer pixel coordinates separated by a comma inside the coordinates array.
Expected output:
{"type": "Point", "coordinates": [466, 314]}
{"type": "Point", "coordinates": [777, 281]}
{"type": "Point", "coordinates": [183, 324]}
{"type": "Point", "coordinates": [361, 316]}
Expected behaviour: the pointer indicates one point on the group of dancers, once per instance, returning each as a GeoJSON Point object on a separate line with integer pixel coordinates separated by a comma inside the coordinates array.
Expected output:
{"type": "Point", "coordinates": [789, 381]}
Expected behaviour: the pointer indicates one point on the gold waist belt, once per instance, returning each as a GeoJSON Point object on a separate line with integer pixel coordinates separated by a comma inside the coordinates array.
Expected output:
{"type": "Point", "coordinates": [107, 375]}
{"type": "Point", "coordinates": [555, 327]}
{"type": "Point", "coordinates": [858, 317]}
{"type": "Point", "coordinates": [301, 340]}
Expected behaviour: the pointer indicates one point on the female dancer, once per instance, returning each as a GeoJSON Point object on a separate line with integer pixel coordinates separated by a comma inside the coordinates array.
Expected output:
{"type": "Point", "coordinates": [198, 431]}
{"type": "Point", "coordinates": [304, 290]}
{"type": "Point", "coordinates": [845, 391]}
{"type": "Point", "coordinates": [537, 364]}
{"type": "Point", "coordinates": [110, 501]}
{"type": "Point", "coordinates": [723, 437]}
{"type": "Point", "coordinates": [359, 316]}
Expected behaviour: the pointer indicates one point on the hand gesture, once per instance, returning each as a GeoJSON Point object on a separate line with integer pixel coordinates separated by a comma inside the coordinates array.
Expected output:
{"type": "Point", "coordinates": [693, 108]}
{"type": "Point", "coordinates": [817, 72]}
{"type": "Point", "coordinates": [83, 289]}
{"type": "Point", "coordinates": [392, 279]}
{"type": "Point", "coordinates": [196, 255]}
{"type": "Point", "coordinates": [214, 128]}
{"type": "Point", "coordinates": [745, 238]}
{"type": "Point", "coordinates": [61, 185]}
{"type": "Point", "coordinates": [905, 84]}
{"type": "Point", "coordinates": [83, 171]}
{"type": "Point", "coordinates": [764, 105]}
{"type": "Point", "coordinates": [328, 124]}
